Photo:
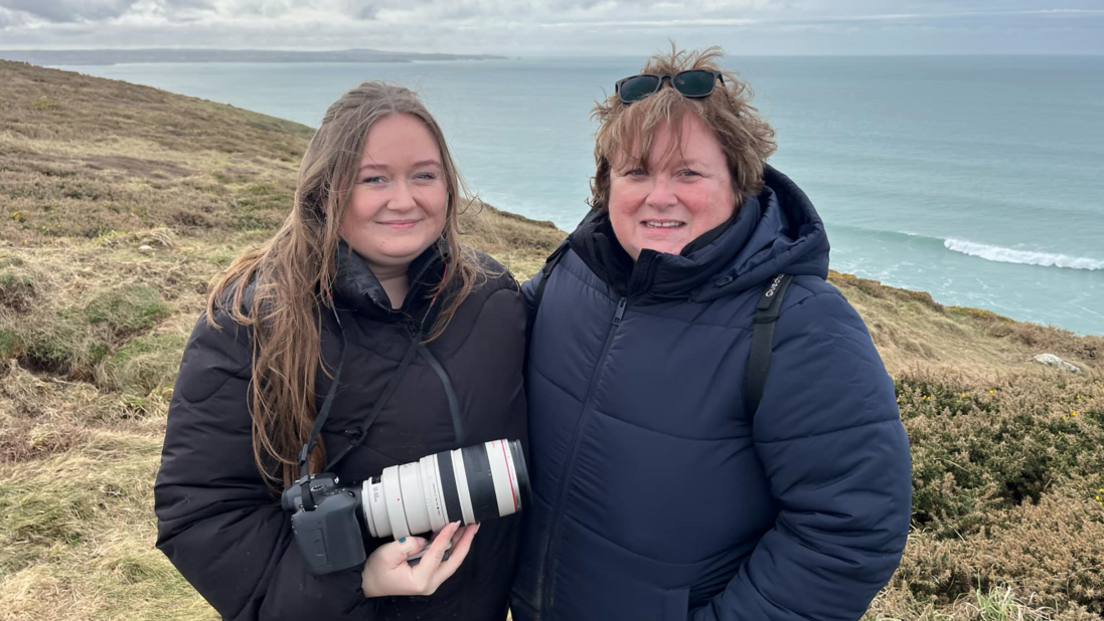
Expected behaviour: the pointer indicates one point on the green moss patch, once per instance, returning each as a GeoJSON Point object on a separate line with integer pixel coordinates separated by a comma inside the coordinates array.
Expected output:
{"type": "Point", "coordinates": [145, 364]}
{"type": "Point", "coordinates": [128, 309]}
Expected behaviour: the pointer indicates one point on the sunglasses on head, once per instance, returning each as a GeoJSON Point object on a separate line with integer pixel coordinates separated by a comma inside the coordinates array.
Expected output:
{"type": "Point", "coordinates": [694, 83]}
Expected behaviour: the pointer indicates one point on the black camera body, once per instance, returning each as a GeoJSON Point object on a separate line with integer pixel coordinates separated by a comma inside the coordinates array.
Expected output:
{"type": "Point", "coordinates": [331, 535]}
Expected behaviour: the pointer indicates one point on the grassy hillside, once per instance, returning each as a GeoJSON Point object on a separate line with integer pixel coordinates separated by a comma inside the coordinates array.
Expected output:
{"type": "Point", "coordinates": [1008, 455]}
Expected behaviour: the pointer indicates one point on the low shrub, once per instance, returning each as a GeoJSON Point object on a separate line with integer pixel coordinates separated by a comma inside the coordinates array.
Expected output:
{"type": "Point", "coordinates": [1053, 549]}
{"type": "Point", "coordinates": [978, 452]}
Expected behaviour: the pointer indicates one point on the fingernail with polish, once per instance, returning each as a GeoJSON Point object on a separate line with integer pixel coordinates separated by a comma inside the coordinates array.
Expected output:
{"type": "Point", "coordinates": [403, 540]}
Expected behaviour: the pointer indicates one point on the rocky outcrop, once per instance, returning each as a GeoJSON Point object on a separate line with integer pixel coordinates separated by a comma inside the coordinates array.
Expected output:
{"type": "Point", "coordinates": [1051, 360]}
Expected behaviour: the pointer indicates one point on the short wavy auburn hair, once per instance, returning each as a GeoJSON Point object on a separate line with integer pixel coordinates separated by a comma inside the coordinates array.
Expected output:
{"type": "Point", "coordinates": [629, 129]}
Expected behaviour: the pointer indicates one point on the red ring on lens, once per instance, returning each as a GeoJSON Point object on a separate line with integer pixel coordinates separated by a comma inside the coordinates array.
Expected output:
{"type": "Point", "coordinates": [509, 474]}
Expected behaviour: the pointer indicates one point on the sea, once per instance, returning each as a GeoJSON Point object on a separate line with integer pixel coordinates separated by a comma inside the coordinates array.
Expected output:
{"type": "Point", "coordinates": [979, 179]}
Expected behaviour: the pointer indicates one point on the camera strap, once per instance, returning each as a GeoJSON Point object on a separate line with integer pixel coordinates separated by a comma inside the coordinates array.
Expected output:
{"type": "Point", "coordinates": [304, 454]}
{"type": "Point", "coordinates": [324, 412]}
{"type": "Point", "coordinates": [388, 390]}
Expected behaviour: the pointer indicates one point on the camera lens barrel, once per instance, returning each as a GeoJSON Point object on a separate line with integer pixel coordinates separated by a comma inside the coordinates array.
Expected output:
{"type": "Point", "coordinates": [471, 484]}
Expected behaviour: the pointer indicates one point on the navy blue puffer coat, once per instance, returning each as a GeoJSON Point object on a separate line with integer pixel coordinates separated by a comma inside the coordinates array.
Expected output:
{"type": "Point", "coordinates": [656, 496]}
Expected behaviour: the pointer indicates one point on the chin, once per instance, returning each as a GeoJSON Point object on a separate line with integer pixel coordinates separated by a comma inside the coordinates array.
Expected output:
{"type": "Point", "coordinates": [668, 248]}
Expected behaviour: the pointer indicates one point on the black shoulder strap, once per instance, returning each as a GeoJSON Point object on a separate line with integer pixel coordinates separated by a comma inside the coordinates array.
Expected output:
{"type": "Point", "coordinates": [762, 340]}
{"type": "Point", "coordinates": [324, 412]}
{"type": "Point", "coordinates": [545, 272]}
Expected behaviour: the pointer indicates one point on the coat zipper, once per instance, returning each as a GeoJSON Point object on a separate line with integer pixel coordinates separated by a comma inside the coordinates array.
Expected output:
{"type": "Point", "coordinates": [454, 403]}
{"type": "Point", "coordinates": [546, 578]}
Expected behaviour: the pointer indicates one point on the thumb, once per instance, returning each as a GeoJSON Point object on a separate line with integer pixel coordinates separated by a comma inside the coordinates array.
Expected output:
{"type": "Point", "coordinates": [411, 545]}
{"type": "Point", "coordinates": [399, 550]}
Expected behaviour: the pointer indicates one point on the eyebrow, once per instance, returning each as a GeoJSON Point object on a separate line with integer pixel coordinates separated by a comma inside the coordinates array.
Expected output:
{"type": "Point", "coordinates": [696, 164]}
{"type": "Point", "coordinates": [416, 165]}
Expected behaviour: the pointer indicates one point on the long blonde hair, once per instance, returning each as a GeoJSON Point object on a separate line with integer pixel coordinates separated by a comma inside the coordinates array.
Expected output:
{"type": "Point", "coordinates": [292, 274]}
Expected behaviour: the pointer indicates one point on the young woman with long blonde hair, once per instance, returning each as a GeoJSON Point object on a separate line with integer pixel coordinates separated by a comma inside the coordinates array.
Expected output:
{"type": "Point", "coordinates": [367, 275]}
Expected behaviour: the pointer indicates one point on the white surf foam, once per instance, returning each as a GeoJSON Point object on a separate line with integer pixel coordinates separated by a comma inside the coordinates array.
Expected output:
{"type": "Point", "coordinates": [1023, 257]}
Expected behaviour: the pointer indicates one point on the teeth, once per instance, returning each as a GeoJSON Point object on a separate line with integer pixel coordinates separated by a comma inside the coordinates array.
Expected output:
{"type": "Point", "coordinates": [662, 225]}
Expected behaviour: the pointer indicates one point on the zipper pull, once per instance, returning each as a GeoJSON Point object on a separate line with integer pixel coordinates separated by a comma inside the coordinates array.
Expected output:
{"type": "Point", "coordinates": [620, 311]}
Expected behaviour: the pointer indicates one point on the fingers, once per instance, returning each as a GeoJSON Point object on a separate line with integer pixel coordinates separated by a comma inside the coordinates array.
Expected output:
{"type": "Point", "coordinates": [456, 557]}
{"type": "Point", "coordinates": [457, 535]}
{"type": "Point", "coordinates": [387, 573]}
{"type": "Point", "coordinates": [411, 545]}
{"type": "Point", "coordinates": [463, 544]}
{"type": "Point", "coordinates": [431, 560]}
{"type": "Point", "coordinates": [396, 552]}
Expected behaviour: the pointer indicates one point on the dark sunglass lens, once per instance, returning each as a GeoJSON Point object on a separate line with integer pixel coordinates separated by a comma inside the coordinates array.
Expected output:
{"type": "Point", "coordinates": [694, 83]}
{"type": "Point", "coordinates": [638, 87]}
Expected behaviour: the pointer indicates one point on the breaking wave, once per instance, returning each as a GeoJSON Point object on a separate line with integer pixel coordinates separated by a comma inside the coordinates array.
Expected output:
{"type": "Point", "coordinates": [1023, 257]}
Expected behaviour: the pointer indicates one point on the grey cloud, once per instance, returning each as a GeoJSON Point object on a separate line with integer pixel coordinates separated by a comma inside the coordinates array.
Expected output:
{"type": "Point", "coordinates": [520, 27]}
{"type": "Point", "coordinates": [263, 8]}
{"type": "Point", "coordinates": [188, 4]}
{"type": "Point", "coordinates": [844, 10]}
{"type": "Point", "coordinates": [448, 8]}
{"type": "Point", "coordinates": [521, 8]}
{"type": "Point", "coordinates": [65, 11]}
{"type": "Point", "coordinates": [9, 19]}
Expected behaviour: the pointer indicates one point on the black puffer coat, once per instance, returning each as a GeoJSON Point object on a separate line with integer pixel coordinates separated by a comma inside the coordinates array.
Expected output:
{"type": "Point", "coordinates": [226, 532]}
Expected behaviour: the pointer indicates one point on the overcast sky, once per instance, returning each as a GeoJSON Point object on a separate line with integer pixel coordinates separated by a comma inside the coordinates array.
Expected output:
{"type": "Point", "coordinates": [564, 27]}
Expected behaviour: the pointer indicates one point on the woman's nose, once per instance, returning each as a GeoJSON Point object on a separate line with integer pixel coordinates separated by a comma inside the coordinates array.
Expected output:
{"type": "Point", "coordinates": [403, 197]}
{"type": "Point", "coordinates": [661, 194]}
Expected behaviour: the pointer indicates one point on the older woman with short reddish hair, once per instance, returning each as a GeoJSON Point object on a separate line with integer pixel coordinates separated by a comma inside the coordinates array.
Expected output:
{"type": "Point", "coordinates": [714, 436]}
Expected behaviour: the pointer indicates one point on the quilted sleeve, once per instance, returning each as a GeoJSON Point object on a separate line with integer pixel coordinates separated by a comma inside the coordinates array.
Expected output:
{"type": "Point", "coordinates": [831, 441]}
{"type": "Point", "coordinates": [217, 521]}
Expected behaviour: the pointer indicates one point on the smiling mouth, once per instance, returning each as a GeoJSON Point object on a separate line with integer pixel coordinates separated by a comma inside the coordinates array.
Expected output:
{"type": "Point", "coordinates": [399, 224]}
{"type": "Point", "coordinates": [663, 224]}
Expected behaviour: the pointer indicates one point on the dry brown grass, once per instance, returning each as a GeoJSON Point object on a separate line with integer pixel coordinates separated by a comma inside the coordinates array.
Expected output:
{"type": "Point", "coordinates": [1007, 524]}
{"type": "Point", "coordinates": [911, 329]}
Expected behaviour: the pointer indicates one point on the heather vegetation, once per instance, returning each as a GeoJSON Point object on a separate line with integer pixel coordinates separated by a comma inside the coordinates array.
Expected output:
{"type": "Point", "coordinates": [120, 203]}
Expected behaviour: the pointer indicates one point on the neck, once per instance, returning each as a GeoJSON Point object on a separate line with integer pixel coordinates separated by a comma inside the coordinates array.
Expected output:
{"type": "Point", "coordinates": [395, 282]}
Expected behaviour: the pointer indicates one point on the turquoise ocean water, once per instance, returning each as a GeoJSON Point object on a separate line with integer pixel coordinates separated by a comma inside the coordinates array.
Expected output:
{"type": "Point", "coordinates": [977, 179]}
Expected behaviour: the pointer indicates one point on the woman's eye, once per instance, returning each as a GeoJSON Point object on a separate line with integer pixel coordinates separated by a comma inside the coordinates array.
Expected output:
{"type": "Point", "coordinates": [372, 180]}
{"type": "Point", "coordinates": [688, 173]}
{"type": "Point", "coordinates": [635, 172]}
{"type": "Point", "coordinates": [426, 176]}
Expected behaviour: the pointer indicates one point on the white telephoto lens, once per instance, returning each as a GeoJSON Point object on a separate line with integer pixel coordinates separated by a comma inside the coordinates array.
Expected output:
{"type": "Point", "coordinates": [461, 473]}
{"type": "Point", "coordinates": [393, 500]}
{"type": "Point", "coordinates": [433, 494]}
{"type": "Point", "coordinates": [414, 498]}
{"type": "Point", "coordinates": [472, 484]}
{"type": "Point", "coordinates": [375, 514]}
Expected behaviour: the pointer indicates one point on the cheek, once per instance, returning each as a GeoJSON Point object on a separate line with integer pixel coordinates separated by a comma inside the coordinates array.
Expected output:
{"type": "Point", "coordinates": [711, 205]}
{"type": "Point", "coordinates": [363, 205]}
{"type": "Point", "coordinates": [624, 200]}
{"type": "Point", "coordinates": [435, 201]}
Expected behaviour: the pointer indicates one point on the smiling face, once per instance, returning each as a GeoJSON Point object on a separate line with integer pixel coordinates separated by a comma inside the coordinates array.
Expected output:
{"type": "Point", "coordinates": [683, 190]}
{"type": "Point", "coordinates": [398, 206]}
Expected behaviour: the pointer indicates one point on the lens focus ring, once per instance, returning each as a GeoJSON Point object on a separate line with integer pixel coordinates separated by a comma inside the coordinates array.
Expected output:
{"type": "Point", "coordinates": [480, 484]}
{"type": "Point", "coordinates": [448, 487]}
